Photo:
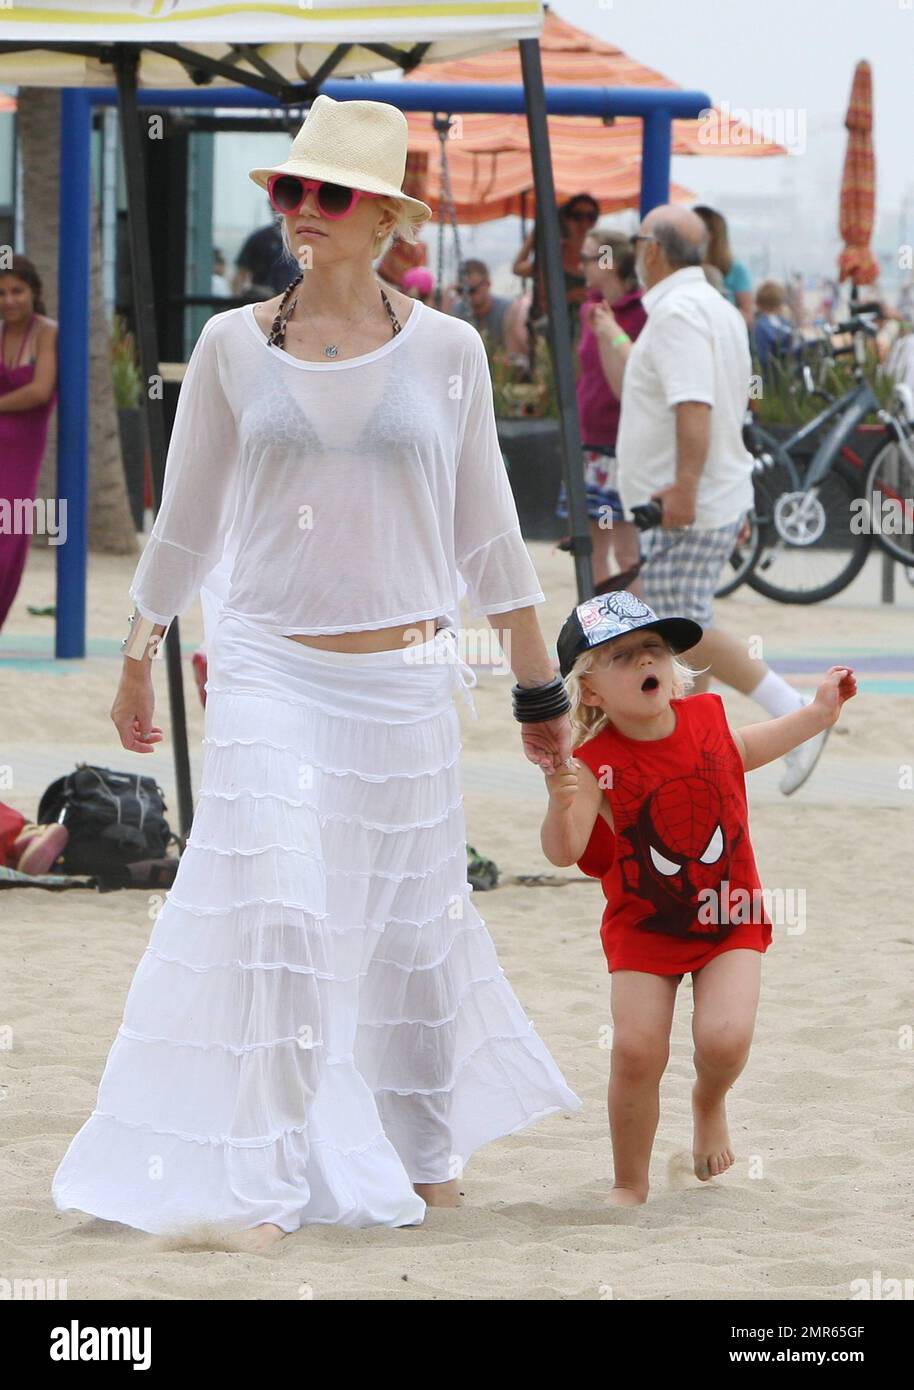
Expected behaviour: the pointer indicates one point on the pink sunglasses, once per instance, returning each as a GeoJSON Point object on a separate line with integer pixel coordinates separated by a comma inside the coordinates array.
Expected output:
{"type": "Point", "coordinates": [287, 193]}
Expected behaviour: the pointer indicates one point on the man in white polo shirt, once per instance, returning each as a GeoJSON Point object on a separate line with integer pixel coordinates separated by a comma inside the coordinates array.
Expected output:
{"type": "Point", "coordinates": [684, 397]}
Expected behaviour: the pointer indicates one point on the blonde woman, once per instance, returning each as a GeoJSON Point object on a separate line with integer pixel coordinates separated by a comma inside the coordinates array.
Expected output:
{"type": "Point", "coordinates": [320, 1030]}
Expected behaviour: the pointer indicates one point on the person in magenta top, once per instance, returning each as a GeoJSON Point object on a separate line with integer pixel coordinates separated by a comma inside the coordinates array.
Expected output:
{"type": "Point", "coordinates": [28, 391]}
{"type": "Point", "coordinates": [612, 310]}
{"type": "Point", "coordinates": [653, 803]}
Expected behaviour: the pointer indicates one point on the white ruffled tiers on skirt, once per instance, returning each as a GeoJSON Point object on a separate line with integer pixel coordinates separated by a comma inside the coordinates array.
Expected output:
{"type": "Point", "coordinates": [319, 1019]}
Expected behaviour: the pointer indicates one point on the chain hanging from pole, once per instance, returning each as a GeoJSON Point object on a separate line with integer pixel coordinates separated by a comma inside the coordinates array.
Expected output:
{"type": "Point", "coordinates": [447, 208]}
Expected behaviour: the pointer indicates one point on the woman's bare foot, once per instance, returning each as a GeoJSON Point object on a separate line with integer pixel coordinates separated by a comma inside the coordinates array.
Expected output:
{"type": "Point", "coordinates": [259, 1238]}
{"type": "Point", "coordinates": [627, 1196]}
{"type": "Point", "coordinates": [711, 1150]}
{"type": "Point", "coordinates": [439, 1194]}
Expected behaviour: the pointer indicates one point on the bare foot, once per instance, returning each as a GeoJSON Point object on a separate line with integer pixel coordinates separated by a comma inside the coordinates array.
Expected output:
{"type": "Point", "coordinates": [439, 1194]}
{"type": "Point", "coordinates": [711, 1150]}
{"type": "Point", "coordinates": [258, 1238]}
{"type": "Point", "coordinates": [627, 1196]}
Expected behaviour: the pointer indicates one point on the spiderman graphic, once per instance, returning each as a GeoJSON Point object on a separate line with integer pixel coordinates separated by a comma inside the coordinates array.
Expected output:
{"type": "Point", "coordinates": [679, 842]}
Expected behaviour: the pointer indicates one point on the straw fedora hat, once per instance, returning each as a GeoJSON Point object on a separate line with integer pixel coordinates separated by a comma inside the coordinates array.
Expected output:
{"type": "Point", "coordinates": [361, 144]}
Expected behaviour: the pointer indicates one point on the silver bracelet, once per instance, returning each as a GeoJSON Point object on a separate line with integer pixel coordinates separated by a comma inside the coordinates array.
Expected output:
{"type": "Point", "coordinates": [141, 638]}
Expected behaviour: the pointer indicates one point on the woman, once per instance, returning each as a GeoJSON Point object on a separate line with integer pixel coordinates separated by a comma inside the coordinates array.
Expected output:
{"type": "Point", "coordinates": [737, 280]}
{"type": "Point", "coordinates": [320, 1030]}
{"type": "Point", "coordinates": [576, 218]}
{"type": "Point", "coordinates": [28, 391]}
{"type": "Point", "coordinates": [612, 316]}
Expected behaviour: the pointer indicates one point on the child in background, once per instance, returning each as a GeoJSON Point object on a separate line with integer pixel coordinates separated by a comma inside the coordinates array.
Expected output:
{"type": "Point", "coordinates": [654, 805]}
{"type": "Point", "coordinates": [772, 331]}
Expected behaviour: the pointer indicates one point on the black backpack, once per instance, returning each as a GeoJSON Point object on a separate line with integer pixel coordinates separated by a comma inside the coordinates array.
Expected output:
{"type": "Point", "coordinates": [114, 819]}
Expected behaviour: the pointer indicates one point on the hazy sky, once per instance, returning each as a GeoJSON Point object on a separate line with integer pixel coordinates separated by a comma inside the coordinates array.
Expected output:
{"type": "Point", "coordinates": [794, 54]}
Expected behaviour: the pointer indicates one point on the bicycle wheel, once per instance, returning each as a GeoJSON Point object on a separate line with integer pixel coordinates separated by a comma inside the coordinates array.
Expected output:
{"type": "Point", "coordinates": [890, 489]}
{"type": "Point", "coordinates": [741, 562]}
{"type": "Point", "coordinates": [808, 550]}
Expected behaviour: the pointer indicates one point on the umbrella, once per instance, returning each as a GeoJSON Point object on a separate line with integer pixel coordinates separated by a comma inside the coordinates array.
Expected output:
{"type": "Point", "coordinates": [858, 185]}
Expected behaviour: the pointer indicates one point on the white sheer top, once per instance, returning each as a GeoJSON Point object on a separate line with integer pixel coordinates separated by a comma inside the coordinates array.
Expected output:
{"type": "Point", "coordinates": [346, 495]}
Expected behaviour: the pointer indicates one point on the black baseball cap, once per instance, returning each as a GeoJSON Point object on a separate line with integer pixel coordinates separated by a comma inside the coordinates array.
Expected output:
{"type": "Point", "coordinates": [598, 620]}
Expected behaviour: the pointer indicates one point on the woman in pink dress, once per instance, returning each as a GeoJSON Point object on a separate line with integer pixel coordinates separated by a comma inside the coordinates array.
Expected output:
{"type": "Point", "coordinates": [28, 391]}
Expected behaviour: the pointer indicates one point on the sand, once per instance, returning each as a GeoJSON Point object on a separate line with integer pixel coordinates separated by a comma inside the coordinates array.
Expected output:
{"type": "Point", "coordinates": [821, 1119]}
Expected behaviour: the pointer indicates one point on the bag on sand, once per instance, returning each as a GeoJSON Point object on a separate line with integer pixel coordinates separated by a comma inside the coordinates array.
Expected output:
{"type": "Point", "coordinates": [114, 819]}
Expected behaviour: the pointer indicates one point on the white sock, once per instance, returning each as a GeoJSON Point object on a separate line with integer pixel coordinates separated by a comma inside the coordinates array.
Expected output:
{"type": "Point", "coordinates": [776, 696]}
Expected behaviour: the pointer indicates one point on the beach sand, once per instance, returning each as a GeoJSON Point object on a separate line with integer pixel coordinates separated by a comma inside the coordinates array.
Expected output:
{"type": "Point", "coordinates": [822, 1119]}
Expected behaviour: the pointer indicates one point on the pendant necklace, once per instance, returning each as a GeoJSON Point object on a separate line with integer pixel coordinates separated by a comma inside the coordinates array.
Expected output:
{"type": "Point", "coordinates": [277, 336]}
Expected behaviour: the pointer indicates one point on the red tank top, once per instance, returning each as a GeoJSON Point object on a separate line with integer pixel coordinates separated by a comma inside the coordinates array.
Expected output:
{"type": "Point", "coordinates": [678, 873]}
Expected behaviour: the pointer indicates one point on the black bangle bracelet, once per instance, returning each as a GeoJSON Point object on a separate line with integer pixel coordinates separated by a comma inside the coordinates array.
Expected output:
{"type": "Point", "coordinates": [531, 696]}
{"type": "Point", "coordinates": [540, 716]}
{"type": "Point", "coordinates": [541, 702]}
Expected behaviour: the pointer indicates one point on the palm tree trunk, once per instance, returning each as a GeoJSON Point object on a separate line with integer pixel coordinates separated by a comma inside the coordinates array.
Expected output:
{"type": "Point", "coordinates": [111, 528]}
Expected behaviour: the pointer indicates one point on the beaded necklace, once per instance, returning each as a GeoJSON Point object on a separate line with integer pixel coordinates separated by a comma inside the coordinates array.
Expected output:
{"type": "Point", "coordinates": [277, 336]}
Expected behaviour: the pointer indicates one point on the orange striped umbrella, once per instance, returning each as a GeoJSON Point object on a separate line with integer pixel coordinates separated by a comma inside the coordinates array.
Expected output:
{"type": "Point", "coordinates": [489, 154]}
{"type": "Point", "coordinates": [858, 185]}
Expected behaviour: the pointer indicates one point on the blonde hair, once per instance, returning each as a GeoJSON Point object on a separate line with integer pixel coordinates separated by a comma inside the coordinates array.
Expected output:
{"type": "Point", "coordinates": [587, 720]}
{"type": "Point", "coordinates": [406, 227]}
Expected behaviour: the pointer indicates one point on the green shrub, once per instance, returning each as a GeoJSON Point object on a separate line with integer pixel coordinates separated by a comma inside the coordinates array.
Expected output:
{"type": "Point", "coordinates": [125, 368]}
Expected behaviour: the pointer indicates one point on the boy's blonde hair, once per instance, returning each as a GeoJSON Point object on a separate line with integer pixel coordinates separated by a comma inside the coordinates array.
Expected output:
{"type": "Point", "coordinates": [406, 227]}
{"type": "Point", "coordinates": [587, 720]}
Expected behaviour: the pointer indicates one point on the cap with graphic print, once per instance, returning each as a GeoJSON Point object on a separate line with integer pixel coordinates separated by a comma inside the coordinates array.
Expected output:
{"type": "Point", "coordinates": [601, 619]}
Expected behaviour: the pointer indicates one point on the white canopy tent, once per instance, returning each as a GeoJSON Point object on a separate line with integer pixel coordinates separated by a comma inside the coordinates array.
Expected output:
{"type": "Point", "coordinates": [291, 41]}
{"type": "Point", "coordinates": [284, 51]}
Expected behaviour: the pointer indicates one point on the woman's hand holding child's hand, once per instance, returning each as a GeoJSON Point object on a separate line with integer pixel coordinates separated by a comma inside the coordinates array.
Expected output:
{"type": "Point", "coordinates": [840, 684]}
{"type": "Point", "coordinates": [548, 744]}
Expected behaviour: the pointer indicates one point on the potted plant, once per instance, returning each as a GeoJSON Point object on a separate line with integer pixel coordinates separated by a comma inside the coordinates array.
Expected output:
{"type": "Point", "coordinates": [128, 395]}
{"type": "Point", "coordinates": [526, 409]}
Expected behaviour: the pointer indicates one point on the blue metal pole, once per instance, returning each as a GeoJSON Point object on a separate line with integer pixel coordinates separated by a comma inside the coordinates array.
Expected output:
{"type": "Point", "coordinates": [440, 96]}
{"type": "Point", "coordinates": [656, 151]}
{"type": "Point", "coordinates": [73, 370]}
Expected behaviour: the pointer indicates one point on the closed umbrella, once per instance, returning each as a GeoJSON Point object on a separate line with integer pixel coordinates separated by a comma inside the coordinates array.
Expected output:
{"type": "Point", "coordinates": [858, 185]}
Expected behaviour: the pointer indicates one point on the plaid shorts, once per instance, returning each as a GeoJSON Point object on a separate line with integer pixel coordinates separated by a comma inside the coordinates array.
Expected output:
{"type": "Point", "coordinates": [682, 567]}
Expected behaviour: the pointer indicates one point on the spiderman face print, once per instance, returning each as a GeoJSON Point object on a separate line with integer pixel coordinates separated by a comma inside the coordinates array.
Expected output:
{"type": "Point", "coordinates": [682, 846]}
{"type": "Point", "coordinates": [676, 843]}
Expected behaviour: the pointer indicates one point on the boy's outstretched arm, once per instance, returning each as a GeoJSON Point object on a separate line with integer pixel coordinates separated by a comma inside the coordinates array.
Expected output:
{"type": "Point", "coordinates": [762, 743]}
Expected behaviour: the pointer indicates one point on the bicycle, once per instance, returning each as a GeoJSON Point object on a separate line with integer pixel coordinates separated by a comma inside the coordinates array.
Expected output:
{"type": "Point", "coordinates": [810, 363]}
{"type": "Point", "coordinates": [808, 546]}
{"type": "Point", "coordinates": [891, 480]}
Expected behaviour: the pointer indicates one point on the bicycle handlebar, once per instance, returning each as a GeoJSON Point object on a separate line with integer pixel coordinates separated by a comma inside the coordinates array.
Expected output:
{"type": "Point", "coordinates": [647, 514]}
{"type": "Point", "coordinates": [855, 325]}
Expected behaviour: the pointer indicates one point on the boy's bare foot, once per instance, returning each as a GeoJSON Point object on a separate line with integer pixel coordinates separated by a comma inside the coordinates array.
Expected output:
{"type": "Point", "coordinates": [258, 1238]}
{"type": "Point", "coordinates": [627, 1196]}
{"type": "Point", "coordinates": [439, 1194]}
{"type": "Point", "coordinates": [711, 1151]}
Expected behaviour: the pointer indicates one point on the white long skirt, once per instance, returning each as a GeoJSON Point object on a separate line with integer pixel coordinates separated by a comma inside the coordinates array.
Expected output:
{"type": "Point", "coordinates": [319, 1020]}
